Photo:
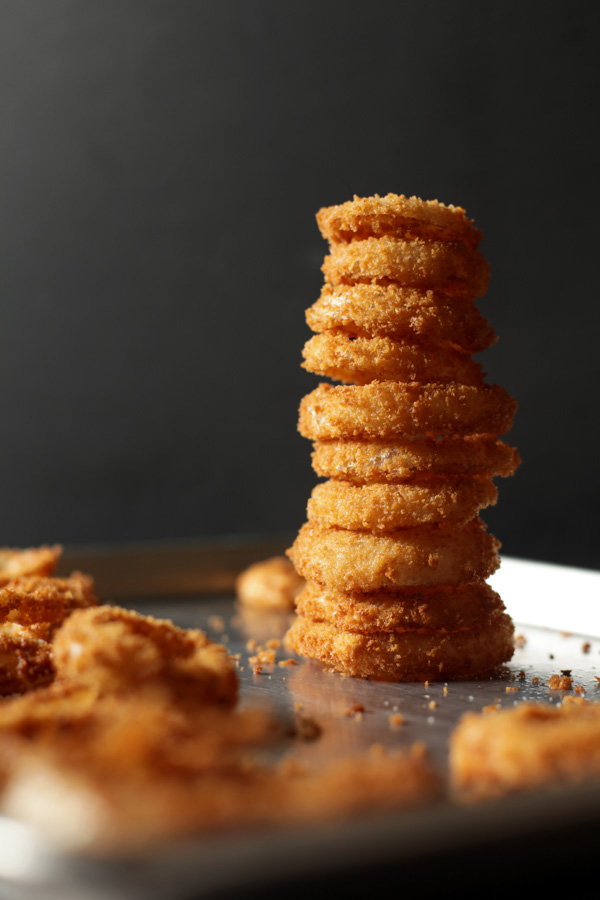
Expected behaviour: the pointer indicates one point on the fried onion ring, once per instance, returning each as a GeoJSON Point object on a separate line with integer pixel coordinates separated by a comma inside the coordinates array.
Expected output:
{"type": "Point", "coordinates": [363, 462]}
{"type": "Point", "coordinates": [433, 609]}
{"type": "Point", "coordinates": [360, 360]}
{"type": "Point", "coordinates": [524, 748]}
{"type": "Point", "coordinates": [400, 312]}
{"type": "Point", "coordinates": [387, 507]}
{"type": "Point", "coordinates": [119, 651]}
{"type": "Point", "coordinates": [389, 409]}
{"type": "Point", "coordinates": [451, 268]}
{"type": "Point", "coordinates": [33, 561]}
{"type": "Point", "coordinates": [42, 603]}
{"type": "Point", "coordinates": [271, 584]}
{"type": "Point", "coordinates": [25, 661]}
{"type": "Point", "coordinates": [427, 555]}
{"type": "Point", "coordinates": [398, 216]}
{"type": "Point", "coordinates": [409, 655]}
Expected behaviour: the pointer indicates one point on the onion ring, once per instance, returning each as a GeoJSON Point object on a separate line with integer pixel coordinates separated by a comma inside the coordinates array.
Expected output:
{"type": "Point", "coordinates": [432, 609]}
{"type": "Point", "coordinates": [390, 409]}
{"type": "Point", "coordinates": [360, 360]}
{"type": "Point", "coordinates": [451, 268]}
{"type": "Point", "coordinates": [524, 748]}
{"type": "Point", "coordinates": [409, 655]}
{"type": "Point", "coordinates": [25, 661]}
{"type": "Point", "coordinates": [363, 462]}
{"type": "Point", "coordinates": [33, 561]}
{"type": "Point", "coordinates": [387, 507]}
{"type": "Point", "coordinates": [398, 216]}
{"type": "Point", "coordinates": [399, 312]}
{"type": "Point", "coordinates": [42, 603]}
{"type": "Point", "coordinates": [271, 584]}
{"type": "Point", "coordinates": [427, 555]}
{"type": "Point", "coordinates": [117, 651]}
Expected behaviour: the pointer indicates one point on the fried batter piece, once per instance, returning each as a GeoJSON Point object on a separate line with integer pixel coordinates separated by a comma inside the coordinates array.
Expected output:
{"type": "Point", "coordinates": [272, 584]}
{"type": "Point", "coordinates": [524, 748]}
{"type": "Point", "coordinates": [33, 561]}
{"type": "Point", "coordinates": [387, 507]}
{"type": "Point", "coordinates": [117, 651]}
{"type": "Point", "coordinates": [411, 557]}
{"type": "Point", "coordinates": [432, 609]}
{"type": "Point", "coordinates": [397, 216]}
{"type": "Point", "coordinates": [363, 462]}
{"type": "Point", "coordinates": [360, 360]}
{"type": "Point", "coordinates": [416, 655]}
{"type": "Point", "coordinates": [25, 661]}
{"type": "Point", "coordinates": [388, 409]}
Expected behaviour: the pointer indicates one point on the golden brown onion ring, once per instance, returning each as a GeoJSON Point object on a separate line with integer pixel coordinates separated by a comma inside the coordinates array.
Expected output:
{"type": "Point", "coordinates": [427, 555]}
{"type": "Point", "coordinates": [399, 216]}
{"type": "Point", "coordinates": [270, 585]}
{"type": "Point", "coordinates": [387, 507]}
{"type": "Point", "coordinates": [25, 661]}
{"type": "Point", "coordinates": [365, 461]}
{"type": "Point", "coordinates": [451, 268]}
{"type": "Point", "coordinates": [440, 608]}
{"type": "Point", "coordinates": [33, 561]}
{"type": "Point", "coordinates": [360, 360]}
{"type": "Point", "coordinates": [524, 748]}
{"type": "Point", "coordinates": [400, 312]}
{"type": "Point", "coordinates": [41, 603]}
{"type": "Point", "coordinates": [409, 655]}
{"type": "Point", "coordinates": [389, 409]}
{"type": "Point", "coordinates": [119, 651]}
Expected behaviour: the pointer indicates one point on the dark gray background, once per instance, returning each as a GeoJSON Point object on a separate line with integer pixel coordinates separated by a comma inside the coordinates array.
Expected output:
{"type": "Point", "coordinates": [161, 163]}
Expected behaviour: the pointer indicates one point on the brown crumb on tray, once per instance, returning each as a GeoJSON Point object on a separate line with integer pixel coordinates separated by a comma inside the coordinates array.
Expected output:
{"type": "Point", "coordinates": [520, 640]}
{"type": "Point", "coordinates": [560, 683]}
{"type": "Point", "coordinates": [396, 720]}
{"type": "Point", "coordinates": [586, 647]}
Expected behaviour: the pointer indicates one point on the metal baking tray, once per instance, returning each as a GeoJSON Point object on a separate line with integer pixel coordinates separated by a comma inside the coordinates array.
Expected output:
{"type": "Point", "coordinates": [555, 609]}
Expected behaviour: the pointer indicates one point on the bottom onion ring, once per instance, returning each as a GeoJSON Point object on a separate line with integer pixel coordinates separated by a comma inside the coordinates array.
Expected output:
{"type": "Point", "coordinates": [386, 507]}
{"type": "Point", "coordinates": [434, 609]}
{"type": "Point", "coordinates": [365, 461]}
{"type": "Point", "coordinates": [526, 747]}
{"type": "Point", "coordinates": [406, 656]}
{"type": "Point", "coordinates": [428, 555]}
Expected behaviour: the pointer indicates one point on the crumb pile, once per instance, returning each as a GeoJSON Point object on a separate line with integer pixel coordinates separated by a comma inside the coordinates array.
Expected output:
{"type": "Point", "coordinates": [394, 552]}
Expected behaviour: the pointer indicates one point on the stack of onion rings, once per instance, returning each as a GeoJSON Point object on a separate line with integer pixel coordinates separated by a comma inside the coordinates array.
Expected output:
{"type": "Point", "coordinates": [394, 554]}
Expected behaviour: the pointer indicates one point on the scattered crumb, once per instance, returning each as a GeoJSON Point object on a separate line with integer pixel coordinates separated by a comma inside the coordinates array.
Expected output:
{"type": "Point", "coordinates": [396, 720]}
{"type": "Point", "coordinates": [535, 680]}
{"type": "Point", "coordinates": [551, 656]}
{"type": "Point", "coordinates": [560, 683]}
{"type": "Point", "coordinates": [217, 623]}
{"type": "Point", "coordinates": [511, 689]}
{"type": "Point", "coordinates": [262, 658]}
{"type": "Point", "coordinates": [566, 672]}
{"type": "Point", "coordinates": [445, 690]}
{"type": "Point", "coordinates": [585, 648]}
{"type": "Point", "coordinates": [287, 662]}
{"type": "Point", "coordinates": [579, 689]}
{"type": "Point", "coordinates": [521, 676]}
{"type": "Point", "coordinates": [432, 704]}
{"type": "Point", "coordinates": [520, 640]}
{"type": "Point", "coordinates": [251, 645]}
{"type": "Point", "coordinates": [273, 644]}
{"type": "Point", "coordinates": [570, 699]}
{"type": "Point", "coordinates": [491, 708]}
